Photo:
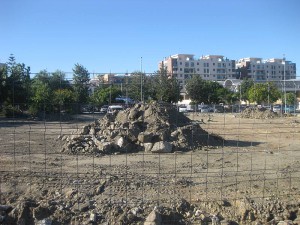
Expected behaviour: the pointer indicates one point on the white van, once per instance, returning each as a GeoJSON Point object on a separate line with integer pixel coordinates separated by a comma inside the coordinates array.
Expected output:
{"type": "Point", "coordinates": [114, 108]}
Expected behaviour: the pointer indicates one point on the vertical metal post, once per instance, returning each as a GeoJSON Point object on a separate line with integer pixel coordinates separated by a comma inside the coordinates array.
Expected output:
{"type": "Point", "coordinates": [284, 90]}
{"type": "Point", "coordinates": [268, 89]}
{"type": "Point", "coordinates": [141, 79]}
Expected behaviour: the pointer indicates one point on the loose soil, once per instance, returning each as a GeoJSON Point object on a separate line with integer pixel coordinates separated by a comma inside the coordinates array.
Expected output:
{"type": "Point", "coordinates": [251, 178]}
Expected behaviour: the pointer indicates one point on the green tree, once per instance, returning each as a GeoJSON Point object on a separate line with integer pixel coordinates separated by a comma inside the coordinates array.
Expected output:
{"type": "Point", "coordinates": [214, 92]}
{"type": "Point", "coordinates": [204, 91]}
{"type": "Point", "coordinates": [81, 78]}
{"type": "Point", "coordinates": [57, 80]}
{"type": "Point", "coordinates": [196, 88]}
{"type": "Point", "coordinates": [291, 98]}
{"type": "Point", "coordinates": [17, 83]}
{"type": "Point", "coordinates": [226, 96]}
{"type": "Point", "coordinates": [167, 88]}
{"type": "Point", "coordinates": [105, 95]}
{"type": "Point", "coordinates": [51, 92]}
{"type": "Point", "coordinates": [3, 77]}
{"type": "Point", "coordinates": [263, 92]}
{"type": "Point", "coordinates": [41, 99]}
{"type": "Point", "coordinates": [246, 84]}
{"type": "Point", "coordinates": [63, 99]}
{"type": "Point", "coordinates": [135, 84]}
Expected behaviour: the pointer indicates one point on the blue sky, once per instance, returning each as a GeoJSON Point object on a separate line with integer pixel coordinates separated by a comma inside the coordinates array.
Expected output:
{"type": "Point", "coordinates": [113, 35]}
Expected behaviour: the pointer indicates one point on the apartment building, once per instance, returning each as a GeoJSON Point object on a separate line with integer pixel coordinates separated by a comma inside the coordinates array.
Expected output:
{"type": "Point", "coordinates": [265, 70]}
{"type": "Point", "coordinates": [219, 68]}
{"type": "Point", "coordinates": [210, 67]}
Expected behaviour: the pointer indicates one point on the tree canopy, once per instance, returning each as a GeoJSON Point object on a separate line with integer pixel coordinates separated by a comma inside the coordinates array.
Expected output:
{"type": "Point", "coordinates": [263, 93]}
{"type": "Point", "coordinates": [81, 78]}
{"type": "Point", "coordinates": [105, 95]}
{"type": "Point", "coordinates": [167, 88]}
{"type": "Point", "coordinates": [15, 79]}
{"type": "Point", "coordinates": [205, 91]}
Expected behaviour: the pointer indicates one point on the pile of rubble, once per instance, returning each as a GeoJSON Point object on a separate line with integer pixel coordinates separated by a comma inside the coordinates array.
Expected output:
{"type": "Point", "coordinates": [155, 127]}
{"type": "Point", "coordinates": [257, 113]}
{"type": "Point", "coordinates": [240, 211]}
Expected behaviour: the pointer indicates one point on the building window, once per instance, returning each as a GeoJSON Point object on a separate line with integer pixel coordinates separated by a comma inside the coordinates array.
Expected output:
{"type": "Point", "coordinates": [186, 64]}
{"type": "Point", "coordinates": [192, 64]}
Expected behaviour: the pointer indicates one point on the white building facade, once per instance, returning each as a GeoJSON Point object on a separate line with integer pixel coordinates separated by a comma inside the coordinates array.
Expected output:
{"type": "Point", "coordinates": [210, 67]}
{"type": "Point", "coordinates": [259, 70]}
{"type": "Point", "coordinates": [220, 68]}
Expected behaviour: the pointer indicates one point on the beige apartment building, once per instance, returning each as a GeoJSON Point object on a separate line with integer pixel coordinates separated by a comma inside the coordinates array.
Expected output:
{"type": "Point", "coordinates": [210, 67]}
{"type": "Point", "coordinates": [265, 70]}
{"type": "Point", "coordinates": [219, 68]}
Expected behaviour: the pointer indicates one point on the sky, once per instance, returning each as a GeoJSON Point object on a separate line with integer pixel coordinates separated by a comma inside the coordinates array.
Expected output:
{"type": "Point", "coordinates": [120, 36]}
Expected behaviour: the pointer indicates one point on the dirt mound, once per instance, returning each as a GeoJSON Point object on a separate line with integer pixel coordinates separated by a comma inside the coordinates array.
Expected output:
{"type": "Point", "coordinates": [155, 127]}
{"type": "Point", "coordinates": [256, 113]}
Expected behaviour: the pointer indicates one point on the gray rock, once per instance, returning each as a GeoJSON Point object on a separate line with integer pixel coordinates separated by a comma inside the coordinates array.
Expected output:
{"type": "Point", "coordinates": [46, 221]}
{"type": "Point", "coordinates": [41, 212]}
{"type": "Point", "coordinates": [133, 114]}
{"type": "Point", "coordinates": [154, 218]}
{"type": "Point", "coordinates": [162, 147]}
{"type": "Point", "coordinates": [148, 147]}
{"type": "Point", "coordinates": [145, 137]}
{"type": "Point", "coordinates": [85, 130]}
{"type": "Point", "coordinates": [286, 222]}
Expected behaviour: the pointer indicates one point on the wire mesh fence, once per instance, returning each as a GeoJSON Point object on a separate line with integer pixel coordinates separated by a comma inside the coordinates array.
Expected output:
{"type": "Point", "coordinates": [244, 170]}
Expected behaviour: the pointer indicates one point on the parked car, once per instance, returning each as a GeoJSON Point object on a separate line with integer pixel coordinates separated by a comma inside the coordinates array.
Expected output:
{"type": "Point", "coordinates": [103, 109]}
{"type": "Point", "coordinates": [266, 107]}
{"type": "Point", "coordinates": [277, 108]}
{"type": "Point", "coordinates": [204, 108]}
{"type": "Point", "coordinates": [182, 109]}
{"type": "Point", "coordinates": [289, 109]}
{"type": "Point", "coordinates": [114, 108]}
{"type": "Point", "coordinates": [218, 108]}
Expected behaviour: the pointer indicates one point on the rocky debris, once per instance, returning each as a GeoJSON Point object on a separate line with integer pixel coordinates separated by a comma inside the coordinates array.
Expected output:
{"type": "Point", "coordinates": [82, 207]}
{"type": "Point", "coordinates": [257, 113]}
{"type": "Point", "coordinates": [154, 218]}
{"type": "Point", "coordinates": [156, 128]}
{"type": "Point", "coordinates": [4, 210]}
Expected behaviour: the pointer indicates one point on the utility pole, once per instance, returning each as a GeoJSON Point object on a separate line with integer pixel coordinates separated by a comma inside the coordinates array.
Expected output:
{"type": "Point", "coordinates": [268, 89]}
{"type": "Point", "coordinates": [284, 90]}
{"type": "Point", "coordinates": [141, 79]}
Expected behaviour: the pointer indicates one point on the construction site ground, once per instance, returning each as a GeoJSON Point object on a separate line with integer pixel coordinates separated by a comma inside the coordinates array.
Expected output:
{"type": "Point", "coordinates": [259, 159]}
